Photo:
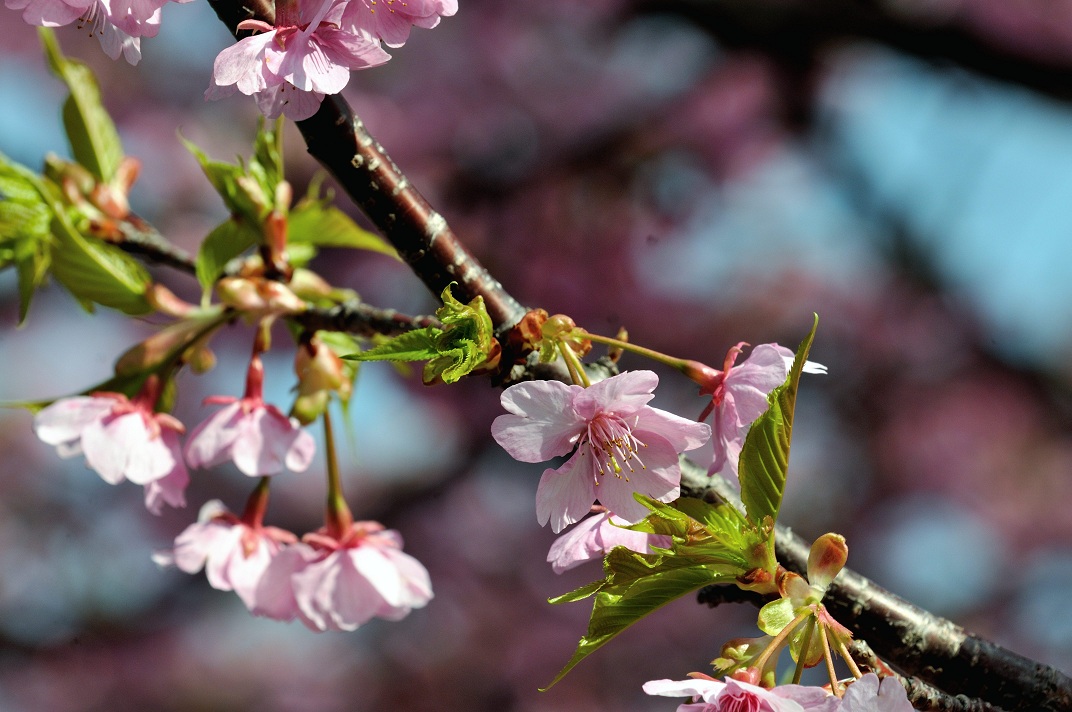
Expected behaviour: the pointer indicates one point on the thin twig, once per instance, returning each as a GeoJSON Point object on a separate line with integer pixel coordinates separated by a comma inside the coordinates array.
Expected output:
{"type": "Point", "coordinates": [363, 320]}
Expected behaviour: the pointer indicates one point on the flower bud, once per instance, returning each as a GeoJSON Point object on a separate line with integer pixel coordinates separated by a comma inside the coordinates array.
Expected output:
{"type": "Point", "coordinates": [258, 296]}
{"type": "Point", "coordinates": [828, 556]}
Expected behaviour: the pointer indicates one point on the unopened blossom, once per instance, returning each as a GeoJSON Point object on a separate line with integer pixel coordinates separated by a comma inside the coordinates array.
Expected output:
{"type": "Point", "coordinates": [233, 553]}
{"type": "Point", "coordinates": [122, 439]}
{"type": "Point", "coordinates": [341, 582]}
{"type": "Point", "coordinates": [597, 535]}
{"type": "Point", "coordinates": [289, 67]}
{"type": "Point", "coordinates": [257, 436]}
{"type": "Point", "coordinates": [737, 696]}
{"type": "Point", "coordinates": [739, 396]}
{"type": "Point", "coordinates": [391, 20]}
{"type": "Point", "coordinates": [620, 444]}
{"type": "Point", "coordinates": [868, 694]}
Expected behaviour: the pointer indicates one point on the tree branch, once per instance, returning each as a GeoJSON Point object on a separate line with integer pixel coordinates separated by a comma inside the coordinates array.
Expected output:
{"type": "Point", "coordinates": [363, 320]}
{"type": "Point", "coordinates": [796, 33]}
{"type": "Point", "coordinates": [919, 643]}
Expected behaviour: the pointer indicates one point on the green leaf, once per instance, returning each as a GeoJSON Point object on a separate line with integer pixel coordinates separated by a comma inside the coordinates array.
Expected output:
{"type": "Point", "coordinates": [25, 228]}
{"type": "Point", "coordinates": [227, 241]}
{"type": "Point", "coordinates": [618, 607]}
{"type": "Point", "coordinates": [765, 455]}
{"type": "Point", "coordinates": [94, 140]}
{"type": "Point", "coordinates": [717, 545]}
{"type": "Point", "coordinates": [417, 345]}
{"type": "Point", "coordinates": [267, 161]}
{"type": "Point", "coordinates": [461, 346]}
{"type": "Point", "coordinates": [94, 271]}
{"type": "Point", "coordinates": [243, 195]}
{"type": "Point", "coordinates": [314, 223]}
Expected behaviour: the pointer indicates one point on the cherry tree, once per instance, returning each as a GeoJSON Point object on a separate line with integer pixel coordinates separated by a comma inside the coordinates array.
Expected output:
{"type": "Point", "coordinates": [668, 503]}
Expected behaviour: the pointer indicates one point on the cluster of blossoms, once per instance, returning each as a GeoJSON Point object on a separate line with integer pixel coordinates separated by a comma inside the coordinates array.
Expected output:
{"type": "Point", "coordinates": [868, 694]}
{"type": "Point", "coordinates": [620, 445]}
{"type": "Point", "coordinates": [119, 24]}
{"type": "Point", "coordinates": [287, 67]}
{"type": "Point", "coordinates": [334, 579]}
{"type": "Point", "coordinates": [126, 439]}
{"type": "Point", "coordinates": [309, 52]}
{"type": "Point", "coordinates": [328, 581]}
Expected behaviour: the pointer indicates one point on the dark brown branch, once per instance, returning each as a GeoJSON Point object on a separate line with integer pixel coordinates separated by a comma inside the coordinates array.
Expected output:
{"type": "Point", "coordinates": [919, 643]}
{"type": "Point", "coordinates": [798, 32]}
{"type": "Point", "coordinates": [336, 137]}
{"type": "Point", "coordinates": [362, 320]}
{"type": "Point", "coordinates": [922, 695]}
{"type": "Point", "coordinates": [138, 237]}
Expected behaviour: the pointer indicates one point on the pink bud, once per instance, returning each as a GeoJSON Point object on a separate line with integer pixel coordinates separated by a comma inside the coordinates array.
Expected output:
{"type": "Point", "coordinates": [828, 556]}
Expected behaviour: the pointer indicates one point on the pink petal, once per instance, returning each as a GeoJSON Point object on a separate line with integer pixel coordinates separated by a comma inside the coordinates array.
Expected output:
{"type": "Point", "coordinates": [541, 423]}
{"type": "Point", "coordinates": [274, 597]}
{"type": "Point", "coordinates": [63, 421]}
{"type": "Point", "coordinates": [170, 489]}
{"type": "Point", "coordinates": [578, 545]}
{"type": "Point", "coordinates": [351, 50]}
{"type": "Point", "coordinates": [241, 63]}
{"type": "Point", "coordinates": [314, 592]}
{"type": "Point", "coordinates": [265, 442]}
{"type": "Point", "coordinates": [308, 68]}
{"type": "Point", "coordinates": [286, 99]}
{"type": "Point", "coordinates": [211, 441]}
{"type": "Point", "coordinates": [565, 495]}
{"type": "Point", "coordinates": [107, 444]}
{"type": "Point", "coordinates": [622, 394]}
{"type": "Point", "coordinates": [682, 433]}
{"type": "Point", "coordinates": [381, 572]}
{"type": "Point", "coordinates": [301, 452]}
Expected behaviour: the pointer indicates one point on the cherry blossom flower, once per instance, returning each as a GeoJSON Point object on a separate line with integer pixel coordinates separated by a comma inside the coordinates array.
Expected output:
{"type": "Point", "coordinates": [620, 445]}
{"type": "Point", "coordinates": [341, 582]}
{"type": "Point", "coordinates": [119, 24]}
{"type": "Point", "coordinates": [121, 439]}
{"type": "Point", "coordinates": [594, 537]}
{"type": "Point", "coordinates": [391, 20]}
{"type": "Point", "coordinates": [233, 553]}
{"type": "Point", "coordinates": [289, 67]}
{"type": "Point", "coordinates": [255, 435]}
{"type": "Point", "coordinates": [868, 694]}
{"type": "Point", "coordinates": [735, 696]}
{"type": "Point", "coordinates": [739, 396]}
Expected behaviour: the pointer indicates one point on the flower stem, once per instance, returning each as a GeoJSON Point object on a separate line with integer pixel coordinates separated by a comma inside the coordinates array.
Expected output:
{"type": "Point", "coordinates": [803, 655]}
{"type": "Point", "coordinates": [257, 504]}
{"type": "Point", "coordinates": [853, 667]}
{"type": "Point", "coordinates": [573, 364]}
{"type": "Point", "coordinates": [834, 686]}
{"type": "Point", "coordinates": [778, 641]}
{"type": "Point", "coordinates": [677, 363]}
{"type": "Point", "coordinates": [338, 517]}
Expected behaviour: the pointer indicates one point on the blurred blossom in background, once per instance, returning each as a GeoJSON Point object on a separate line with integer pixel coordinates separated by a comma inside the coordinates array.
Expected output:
{"type": "Point", "coordinates": [699, 172]}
